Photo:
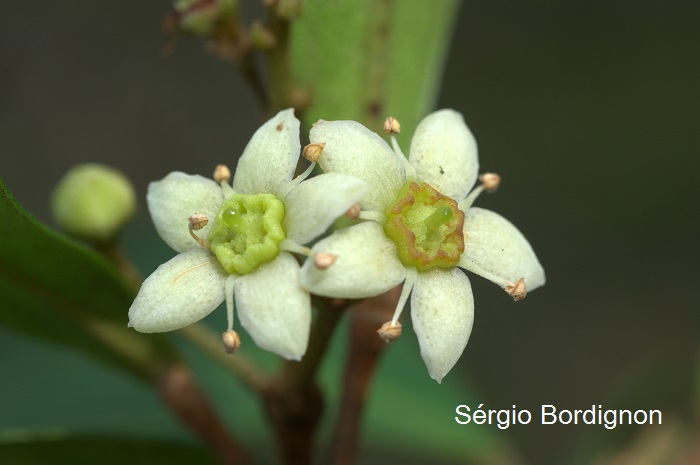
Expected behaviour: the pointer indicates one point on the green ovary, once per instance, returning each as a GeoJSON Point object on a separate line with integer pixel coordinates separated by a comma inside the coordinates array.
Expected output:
{"type": "Point", "coordinates": [426, 226]}
{"type": "Point", "coordinates": [247, 232]}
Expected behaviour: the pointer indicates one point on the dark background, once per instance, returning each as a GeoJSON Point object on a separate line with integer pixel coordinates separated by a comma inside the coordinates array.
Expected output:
{"type": "Point", "coordinates": [588, 110]}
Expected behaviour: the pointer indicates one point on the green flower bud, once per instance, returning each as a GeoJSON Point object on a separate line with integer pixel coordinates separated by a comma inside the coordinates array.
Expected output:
{"type": "Point", "coordinates": [93, 202]}
{"type": "Point", "coordinates": [203, 17]}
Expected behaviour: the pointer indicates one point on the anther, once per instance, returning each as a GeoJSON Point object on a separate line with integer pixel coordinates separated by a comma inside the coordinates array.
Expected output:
{"type": "Point", "coordinates": [490, 181]}
{"type": "Point", "coordinates": [517, 290]}
{"type": "Point", "coordinates": [197, 222]}
{"type": "Point", "coordinates": [389, 332]}
{"type": "Point", "coordinates": [392, 126]}
{"type": "Point", "coordinates": [232, 341]}
{"type": "Point", "coordinates": [312, 152]}
{"type": "Point", "coordinates": [324, 260]}
{"type": "Point", "coordinates": [222, 174]}
{"type": "Point", "coordinates": [353, 212]}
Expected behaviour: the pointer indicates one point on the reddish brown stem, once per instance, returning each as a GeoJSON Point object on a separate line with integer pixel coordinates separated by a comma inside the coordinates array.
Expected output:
{"type": "Point", "coordinates": [294, 403]}
{"type": "Point", "coordinates": [182, 395]}
{"type": "Point", "coordinates": [364, 352]}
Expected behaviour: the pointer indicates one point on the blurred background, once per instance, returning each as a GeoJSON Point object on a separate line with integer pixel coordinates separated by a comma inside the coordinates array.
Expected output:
{"type": "Point", "coordinates": [588, 110]}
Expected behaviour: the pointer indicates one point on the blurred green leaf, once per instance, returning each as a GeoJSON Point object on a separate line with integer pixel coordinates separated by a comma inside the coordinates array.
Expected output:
{"type": "Point", "coordinates": [105, 451]}
{"type": "Point", "coordinates": [57, 289]}
{"type": "Point", "coordinates": [365, 59]}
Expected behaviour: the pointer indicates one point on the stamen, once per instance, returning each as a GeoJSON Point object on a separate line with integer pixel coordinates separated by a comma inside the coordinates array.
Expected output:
{"type": "Point", "coordinates": [490, 181]}
{"type": "Point", "coordinates": [353, 212]}
{"type": "Point", "coordinates": [517, 290]}
{"type": "Point", "coordinates": [222, 174]}
{"type": "Point", "coordinates": [379, 217]}
{"type": "Point", "coordinates": [392, 126]}
{"type": "Point", "coordinates": [465, 204]}
{"type": "Point", "coordinates": [284, 190]}
{"type": "Point", "coordinates": [232, 341]}
{"type": "Point", "coordinates": [228, 290]}
{"type": "Point", "coordinates": [312, 152]}
{"type": "Point", "coordinates": [291, 246]}
{"type": "Point", "coordinates": [389, 332]}
{"type": "Point", "coordinates": [227, 190]}
{"type": "Point", "coordinates": [408, 168]}
{"type": "Point", "coordinates": [197, 222]}
{"type": "Point", "coordinates": [411, 275]}
{"type": "Point", "coordinates": [324, 260]}
{"type": "Point", "coordinates": [485, 274]}
{"type": "Point", "coordinates": [489, 184]}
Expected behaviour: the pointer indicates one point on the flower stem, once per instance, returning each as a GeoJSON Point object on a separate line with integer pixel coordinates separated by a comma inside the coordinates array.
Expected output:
{"type": "Point", "coordinates": [114, 252]}
{"type": "Point", "coordinates": [171, 379]}
{"type": "Point", "coordinates": [365, 348]}
{"type": "Point", "coordinates": [293, 401]}
{"type": "Point", "coordinates": [209, 343]}
{"type": "Point", "coordinates": [180, 392]}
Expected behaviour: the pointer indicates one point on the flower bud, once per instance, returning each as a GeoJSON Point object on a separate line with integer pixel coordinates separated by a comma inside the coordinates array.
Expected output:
{"type": "Point", "coordinates": [203, 17]}
{"type": "Point", "coordinates": [93, 202]}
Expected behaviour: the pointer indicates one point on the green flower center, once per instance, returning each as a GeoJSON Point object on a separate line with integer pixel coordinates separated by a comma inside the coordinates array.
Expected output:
{"type": "Point", "coordinates": [247, 232]}
{"type": "Point", "coordinates": [426, 227]}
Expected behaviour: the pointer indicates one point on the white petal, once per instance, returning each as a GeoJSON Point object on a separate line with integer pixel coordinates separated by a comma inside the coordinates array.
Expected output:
{"type": "Point", "coordinates": [442, 313]}
{"type": "Point", "coordinates": [177, 197]}
{"type": "Point", "coordinates": [444, 154]}
{"type": "Point", "coordinates": [180, 292]}
{"type": "Point", "coordinates": [353, 149]}
{"type": "Point", "coordinates": [271, 156]}
{"type": "Point", "coordinates": [494, 247]}
{"type": "Point", "coordinates": [312, 206]}
{"type": "Point", "coordinates": [273, 307]}
{"type": "Point", "coordinates": [367, 264]}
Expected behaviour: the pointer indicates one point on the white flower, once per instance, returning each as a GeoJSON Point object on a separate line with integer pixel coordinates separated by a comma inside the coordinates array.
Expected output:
{"type": "Point", "coordinates": [424, 227]}
{"type": "Point", "coordinates": [237, 241]}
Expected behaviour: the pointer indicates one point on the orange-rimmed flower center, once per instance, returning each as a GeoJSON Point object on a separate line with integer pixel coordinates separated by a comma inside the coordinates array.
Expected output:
{"type": "Point", "coordinates": [426, 226]}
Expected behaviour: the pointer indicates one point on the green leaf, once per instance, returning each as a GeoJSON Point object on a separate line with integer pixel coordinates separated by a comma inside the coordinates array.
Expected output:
{"type": "Point", "coordinates": [105, 451]}
{"type": "Point", "coordinates": [368, 59]}
{"type": "Point", "coordinates": [55, 288]}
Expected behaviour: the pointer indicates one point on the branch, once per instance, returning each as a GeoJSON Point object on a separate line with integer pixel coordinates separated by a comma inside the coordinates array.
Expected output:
{"type": "Point", "coordinates": [364, 352]}
{"type": "Point", "coordinates": [181, 394]}
{"type": "Point", "coordinates": [294, 403]}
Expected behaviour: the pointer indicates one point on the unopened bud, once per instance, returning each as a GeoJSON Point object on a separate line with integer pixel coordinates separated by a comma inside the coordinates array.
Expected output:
{"type": "Point", "coordinates": [260, 37]}
{"type": "Point", "coordinates": [93, 202]}
{"type": "Point", "coordinates": [490, 181]}
{"type": "Point", "coordinates": [392, 126]}
{"type": "Point", "coordinates": [232, 341]}
{"type": "Point", "coordinates": [289, 9]}
{"type": "Point", "coordinates": [389, 331]}
{"type": "Point", "coordinates": [312, 152]}
{"type": "Point", "coordinates": [203, 17]}
{"type": "Point", "coordinates": [323, 260]}
{"type": "Point", "coordinates": [222, 174]}
{"type": "Point", "coordinates": [517, 289]}
{"type": "Point", "coordinates": [353, 212]}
